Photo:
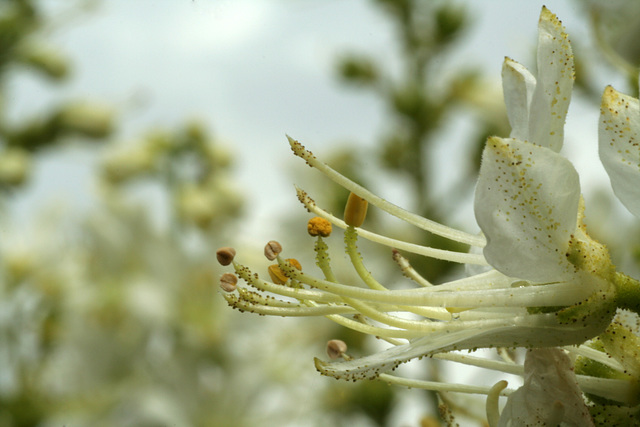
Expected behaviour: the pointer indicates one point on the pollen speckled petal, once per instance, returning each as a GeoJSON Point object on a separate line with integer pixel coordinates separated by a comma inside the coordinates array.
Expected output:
{"type": "Point", "coordinates": [552, 95]}
{"type": "Point", "coordinates": [619, 146]}
{"type": "Point", "coordinates": [526, 203]}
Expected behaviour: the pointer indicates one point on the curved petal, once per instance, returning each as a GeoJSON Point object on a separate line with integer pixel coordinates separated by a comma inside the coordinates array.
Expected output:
{"type": "Point", "coordinates": [619, 146]}
{"type": "Point", "coordinates": [526, 203]}
{"type": "Point", "coordinates": [518, 85]}
{"type": "Point", "coordinates": [551, 98]}
{"type": "Point", "coordinates": [550, 394]}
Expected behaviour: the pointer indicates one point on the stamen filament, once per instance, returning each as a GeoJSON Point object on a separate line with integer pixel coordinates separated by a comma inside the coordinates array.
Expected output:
{"type": "Point", "coordinates": [408, 271]}
{"type": "Point", "coordinates": [285, 291]}
{"type": "Point", "coordinates": [293, 311]}
{"type": "Point", "coordinates": [438, 386]}
{"type": "Point", "coordinates": [445, 255]}
{"type": "Point", "coordinates": [532, 296]}
{"type": "Point", "coordinates": [323, 261]}
{"type": "Point", "coordinates": [493, 411]}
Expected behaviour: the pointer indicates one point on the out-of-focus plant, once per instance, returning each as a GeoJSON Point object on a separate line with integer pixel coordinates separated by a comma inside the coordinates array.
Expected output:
{"type": "Point", "coordinates": [22, 46]}
{"type": "Point", "coordinates": [616, 29]}
{"type": "Point", "coordinates": [193, 170]}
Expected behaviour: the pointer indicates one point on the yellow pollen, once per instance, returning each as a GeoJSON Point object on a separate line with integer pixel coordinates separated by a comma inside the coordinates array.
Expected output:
{"type": "Point", "coordinates": [277, 275]}
{"type": "Point", "coordinates": [319, 227]}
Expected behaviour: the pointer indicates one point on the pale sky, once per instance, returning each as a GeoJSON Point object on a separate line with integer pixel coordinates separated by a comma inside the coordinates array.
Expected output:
{"type": "Point", "coordinates": [254, 70]}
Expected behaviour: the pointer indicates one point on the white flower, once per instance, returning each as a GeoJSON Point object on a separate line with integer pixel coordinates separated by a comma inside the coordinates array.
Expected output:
{"type": "Point", "coordinates": [619, 146]}
{"type": "Point", "coordinates": [550, 394]}
{"type": "Point", "coordinates": [545, 282]}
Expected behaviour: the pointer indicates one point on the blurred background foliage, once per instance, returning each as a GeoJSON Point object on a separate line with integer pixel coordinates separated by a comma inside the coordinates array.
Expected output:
{"type": "Point", "coordinates": [108, 319]}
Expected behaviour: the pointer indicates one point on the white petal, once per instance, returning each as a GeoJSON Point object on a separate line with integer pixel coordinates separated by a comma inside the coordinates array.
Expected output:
{"type": "Point", "coordinates": [550, 394]}
{"type": "Point", "coordinates": [518, 85]}
{"type": "Point", "coordinates": [526, 203]}
{"type": "Point", "coordinates": [619, 145]}
{"type": "Point", "coordinates": [551, 98]}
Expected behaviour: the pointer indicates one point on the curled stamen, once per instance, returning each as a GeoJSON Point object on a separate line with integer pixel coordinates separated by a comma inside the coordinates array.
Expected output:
{"type": "Point", "coordinates": [493, 412]}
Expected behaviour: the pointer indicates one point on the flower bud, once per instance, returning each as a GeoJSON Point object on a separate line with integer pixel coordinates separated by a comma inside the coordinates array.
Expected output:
{"type": "Point", "coordinates": [225, 255]}
{"type": "Point", "coordinates": [355, 211]}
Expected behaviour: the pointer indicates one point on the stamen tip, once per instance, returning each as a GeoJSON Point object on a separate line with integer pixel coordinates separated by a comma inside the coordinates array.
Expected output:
{"type": "Point", "coordinates": [272, 249]}
{"type": "Point", "coordinates": [336, 348]}
{"type": "Point", "coordinates": [228, 282]}
{"type": "Point", "coordinates": [225, 255]}
{"type": "Point", "coordinates": [355, 211]}
{"type": "Point", "coordinates": [319, 227]}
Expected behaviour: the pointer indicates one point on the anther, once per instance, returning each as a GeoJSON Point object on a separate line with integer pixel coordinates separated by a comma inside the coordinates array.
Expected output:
{"type": "Point", "coordinates": [228, 282]}
{"type": "Point", "coordinates": [277, 275]}
{"type": "Point", "coordinates": [272, 249]}
{"type": "Point", "coordinates": [336, 348]}
{"type": "Point", "coordinates": [319, 227]}
{"type": "Point", "coordinates": [355, 211]}
{"type": "Point", "coordinates": [225, 255]}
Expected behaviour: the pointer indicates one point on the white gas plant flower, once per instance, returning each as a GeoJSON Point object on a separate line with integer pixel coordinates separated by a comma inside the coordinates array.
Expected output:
{"type": "Point", "coordinates": [543, 282]}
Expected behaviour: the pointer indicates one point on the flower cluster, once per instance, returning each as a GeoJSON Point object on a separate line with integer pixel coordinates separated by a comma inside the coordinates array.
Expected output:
{"type": "Point", "coordinates": [542, 283]}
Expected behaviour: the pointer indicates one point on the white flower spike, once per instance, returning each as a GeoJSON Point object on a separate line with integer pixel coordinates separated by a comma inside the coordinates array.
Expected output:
{"type": "Point", "coordinates": [619, 146]}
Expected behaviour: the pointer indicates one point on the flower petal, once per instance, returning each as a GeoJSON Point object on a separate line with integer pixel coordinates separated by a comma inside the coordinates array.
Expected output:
{"type": "Point", "coordinates": [551, 97]}
{"type": "Point", "coordinates": [518, 85]}
{"type": "Point", "coordinates": [550, 394]}
{"type": "Point", "coordinates": [619, 146]}
{"type": "Point", "coordinates": [526, 203]}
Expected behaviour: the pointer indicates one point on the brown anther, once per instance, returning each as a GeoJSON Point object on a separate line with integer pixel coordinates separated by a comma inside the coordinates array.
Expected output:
{"type": "Point", "coordinates": [336, 348]}
{"type": "Point", "coordinates": [319, 227]}
{"type": "Point", "coordinates": [228, 282]}
{"type": "Point", "coordinates": [277, 275]}
{"type": "Point", "coordinates": [225, 255]}
{"type": "Point", "coordinates": [355, 211]}
{"type": "Point", "coordinates": [272, 249]}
